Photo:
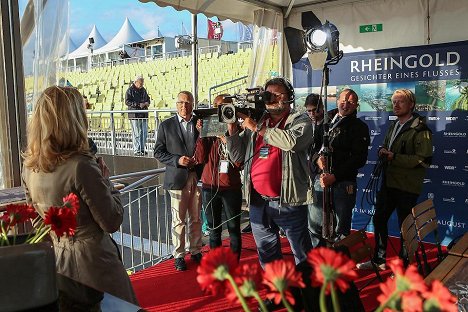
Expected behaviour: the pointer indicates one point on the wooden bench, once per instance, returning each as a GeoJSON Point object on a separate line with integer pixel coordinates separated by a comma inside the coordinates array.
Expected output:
{"type": "Point", "coordinates": [454, 267]}
{"type": "Point", "coordinates": [461, 247]}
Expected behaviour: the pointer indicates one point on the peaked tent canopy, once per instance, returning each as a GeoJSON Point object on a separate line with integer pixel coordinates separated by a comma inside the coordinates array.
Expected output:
{"type": "Point", "coordinates": [71, 45]}
{"type": "Point", "coordinates": [83, 48]}
{"type": "Point", "coordinates": [127, 34]}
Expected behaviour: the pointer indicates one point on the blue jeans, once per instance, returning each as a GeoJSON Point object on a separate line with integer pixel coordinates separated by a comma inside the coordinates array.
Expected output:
{"type": "Point", "coordinates": [139, 133]}
{"type": "Point", "coordinates": [231, 202]}
{"type": "Point", "coordinates": [344, 200]}
{"type": "Point", "coordinates": [266, 217]}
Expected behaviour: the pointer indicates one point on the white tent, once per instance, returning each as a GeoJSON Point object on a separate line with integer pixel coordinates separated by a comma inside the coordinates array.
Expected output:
{"type": "Point", "coordinates": [82, 50]}
{"type": "Point", "coordinates": [71, 45]}
{"type": "Point", "coordinates": [127, 34]}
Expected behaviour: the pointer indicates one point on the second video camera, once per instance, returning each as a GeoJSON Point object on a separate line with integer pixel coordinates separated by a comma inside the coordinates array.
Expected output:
{"type": "Point", "coordinates": [251, 104]}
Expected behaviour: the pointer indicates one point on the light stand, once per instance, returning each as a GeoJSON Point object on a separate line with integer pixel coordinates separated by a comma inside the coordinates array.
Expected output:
{"type": "Point", "coordinates": [323, 40]}
{"type": "Point", "coordinates": [328, 219]}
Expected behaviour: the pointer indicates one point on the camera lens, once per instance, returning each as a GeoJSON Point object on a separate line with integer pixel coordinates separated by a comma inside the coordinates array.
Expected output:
{"type": "Point", "coordinates": [228, 112]}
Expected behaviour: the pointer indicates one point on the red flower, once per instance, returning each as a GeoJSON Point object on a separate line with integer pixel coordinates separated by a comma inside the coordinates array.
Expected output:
{"type": "Point", "coordinates": [214, 268]}
{"type": "Point", "coordinates": [439, 298]}
{"type": "Point", "coordinates": [5, 220]}
{"type": "Point", "coordinates": [72, 201]}
{"type": "Point", "coordinates": [249, 279]}
{"type": "Point", "coordinates": [279, 276]}
{"type": "Point", "coordinates": [331, 266]}
{"type": "Point", "coordinates": [387, 288]}
{"type": "Point", "coordinates": [408, 279]}
{"type": "Point", "coordinates": [61, 220]}
{"type": "Point", "coordinates": [20, 213]}
{"type": "Point", "coordinates": [411, 301]}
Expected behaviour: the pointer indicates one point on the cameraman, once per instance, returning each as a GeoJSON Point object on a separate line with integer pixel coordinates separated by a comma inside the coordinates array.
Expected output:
{"type": "Point", "coordinates": [277, 184]}
{"type": "Point", "coordinates": [221, 186]}
{"type": "Point", "coordinates": [407, 150]}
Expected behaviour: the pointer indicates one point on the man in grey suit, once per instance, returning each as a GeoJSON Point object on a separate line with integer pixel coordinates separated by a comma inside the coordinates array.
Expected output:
{"type": "Point", "coordinates": [175, 147]}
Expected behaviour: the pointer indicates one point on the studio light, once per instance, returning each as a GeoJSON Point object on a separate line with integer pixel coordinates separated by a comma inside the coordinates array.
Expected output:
{"type": "Point", "coordinates": [314, 38]}
{"type": "Point", "coordinates": [325, 38]}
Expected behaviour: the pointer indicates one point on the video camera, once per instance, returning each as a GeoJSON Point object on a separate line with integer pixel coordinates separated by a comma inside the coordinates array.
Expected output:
{"type": "Point", "coordinates": [251, 104]}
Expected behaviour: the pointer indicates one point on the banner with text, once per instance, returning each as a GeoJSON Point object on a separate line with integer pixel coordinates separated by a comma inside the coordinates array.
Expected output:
{"type": "Point", "coordinates": [438, 75]}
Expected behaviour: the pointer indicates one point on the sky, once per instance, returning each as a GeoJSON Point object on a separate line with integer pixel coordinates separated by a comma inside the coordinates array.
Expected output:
{"type": "Point", "coordinates": [109, 15]}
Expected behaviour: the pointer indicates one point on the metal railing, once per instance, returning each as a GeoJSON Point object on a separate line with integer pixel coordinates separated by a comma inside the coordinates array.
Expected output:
{"type": "Point", "coordinates": [231, 87]}
{"type": "Point", "coordinates": [112, 131]}
{"type": "Point", "coordinates": [144, 237]}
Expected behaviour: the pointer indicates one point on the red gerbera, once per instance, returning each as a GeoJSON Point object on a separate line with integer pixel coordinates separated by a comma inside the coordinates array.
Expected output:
{"type": "Point", "coordinates": [5, 220]}
{"type": "Point", "coordinates": [439, 298]}
{"type": "Point", "coordinates": [387, 288]}
{"type": "Point", "coordinates": [61, 220]}
{"type": "Point", "coordinates": [214, 269]}
{"type": "Point", "coordinates": [72, 201]}
{"type": "Point", "coordinates": [20, 213]}
{"type": "Point", "coordinates": [279, 276]}
{"type": "Point", "coordinates": [408, 279]}
{"type": "Point", "coordinates": [331, 266]}
{"type": "Point", "coordinates": [411, 301]}
{"type": "Point", "coordinates": [249, 279]}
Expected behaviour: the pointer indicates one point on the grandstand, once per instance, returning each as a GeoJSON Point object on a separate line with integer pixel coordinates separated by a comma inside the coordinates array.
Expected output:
{"type": "Point", "coordinates": [105, 87]}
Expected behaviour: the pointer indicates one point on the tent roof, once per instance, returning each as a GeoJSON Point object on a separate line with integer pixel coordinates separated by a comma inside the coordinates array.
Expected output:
{"type": "Point", "coordinates": [127, 34]}
{"type": "Point", "coordinates": [71, 45]}
{"type": "Point", "coordinates": [236, 10]}
{"type": "Point", "coordinates": [83, 48]}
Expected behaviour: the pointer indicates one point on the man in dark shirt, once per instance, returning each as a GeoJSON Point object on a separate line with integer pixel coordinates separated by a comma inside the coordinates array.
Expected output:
{"type": "Point", "coordinates": [349, 141]}
{"type": "Point", "coordinates": [137, 98]}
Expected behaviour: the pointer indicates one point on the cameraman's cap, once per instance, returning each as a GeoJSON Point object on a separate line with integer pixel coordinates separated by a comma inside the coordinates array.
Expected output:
{"type": "Point", "coordinates": [139, 77]}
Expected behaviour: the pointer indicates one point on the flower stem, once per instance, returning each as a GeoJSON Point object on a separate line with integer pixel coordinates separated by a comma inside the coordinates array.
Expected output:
{"type": "Point", "coordinates": [286, 303]}
{"type": "Point", "coordinates": [323, 304]}
{"type": "Point", "coordinates": [238, 293]}
{"type": "Point", "coordinates": [5, 237]}
{"type": "Point", "coordinates": [37, 238]}
{"type": "Point", "coordinates": [336, 303]}
{"type": "Point", "coordinates": [260, 302]}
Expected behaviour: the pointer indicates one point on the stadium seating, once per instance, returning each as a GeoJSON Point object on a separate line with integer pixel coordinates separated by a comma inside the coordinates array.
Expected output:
{"type": "Point", "coordinates": [105, 87]}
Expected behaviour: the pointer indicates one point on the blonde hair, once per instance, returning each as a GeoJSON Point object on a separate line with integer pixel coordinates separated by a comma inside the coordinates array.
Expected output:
{"type": "Point", "coordinates": [57, 129]}
{"type": "Point", "coordinates": [408, 94]}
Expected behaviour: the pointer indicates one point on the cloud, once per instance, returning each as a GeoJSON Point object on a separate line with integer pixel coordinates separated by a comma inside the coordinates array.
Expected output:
{"type": "Point", "coordinates": [146, 19]}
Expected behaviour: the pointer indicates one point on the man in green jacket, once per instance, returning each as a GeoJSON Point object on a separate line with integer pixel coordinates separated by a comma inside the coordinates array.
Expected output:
{"type": "Point", "coordinates": [407, 151]}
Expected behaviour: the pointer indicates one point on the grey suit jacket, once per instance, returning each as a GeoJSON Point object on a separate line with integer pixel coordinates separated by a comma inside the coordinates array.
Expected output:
{"type": "Point", "coordinates": [169, 147]}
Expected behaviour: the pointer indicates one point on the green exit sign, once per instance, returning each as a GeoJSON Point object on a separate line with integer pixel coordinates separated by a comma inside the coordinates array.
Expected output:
{"type": "Point", "coordinates": [370, 28]}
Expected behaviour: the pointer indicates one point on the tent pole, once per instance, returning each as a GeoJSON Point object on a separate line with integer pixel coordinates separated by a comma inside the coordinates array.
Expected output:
{"type": "Point", "coordinates": [194, 60]}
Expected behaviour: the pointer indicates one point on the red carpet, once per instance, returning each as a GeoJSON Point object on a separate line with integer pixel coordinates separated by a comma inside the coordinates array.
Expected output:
{"type": "Point", "coordinates": [162, 288]}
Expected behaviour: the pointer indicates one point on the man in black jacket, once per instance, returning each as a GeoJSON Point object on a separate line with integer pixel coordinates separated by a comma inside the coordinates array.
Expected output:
{"type": "Point", "coordinates": [175, 147]}
{"type": "Point", "coordinates": [349, 141]}
{"type": "Point", "coordinates": [137, 98]}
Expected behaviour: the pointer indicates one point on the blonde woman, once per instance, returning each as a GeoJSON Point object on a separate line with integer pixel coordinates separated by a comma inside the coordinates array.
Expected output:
{"type": "Point", "coordinates": [57, 162]}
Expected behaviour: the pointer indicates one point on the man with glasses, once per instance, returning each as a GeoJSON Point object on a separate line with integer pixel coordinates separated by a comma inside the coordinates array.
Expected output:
{"type": "Point", "coordinates": [276, 180]}
{"type": "Point", "coordinates": [349, 141]}
{"type": "Point", "coordinates": [175, 147]}
{"type": "Point", "coordinates": [277, 183]}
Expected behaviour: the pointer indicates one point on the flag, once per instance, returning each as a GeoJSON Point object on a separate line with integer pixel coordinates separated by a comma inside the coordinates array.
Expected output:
{"type": "Point", "coordinates": [215, 30]}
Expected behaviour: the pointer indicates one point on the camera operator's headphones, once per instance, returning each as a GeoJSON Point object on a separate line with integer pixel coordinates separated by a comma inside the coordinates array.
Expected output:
{"type": "Point", "coordinates": [285, 83]}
